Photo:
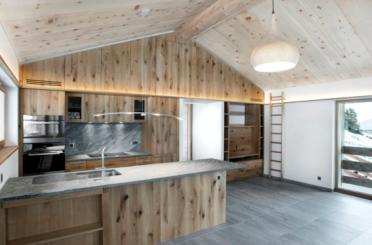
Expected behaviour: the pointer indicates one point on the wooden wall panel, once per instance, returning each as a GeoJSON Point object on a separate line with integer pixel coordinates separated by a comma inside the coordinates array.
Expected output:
{"type": "Point", "coordinates": [42, 102]}
{"type": "Point", "coordinates": [51, 71]}
{"type": "Point", "coordinates": [160, 134]}
{"type": "Point", "coordinates": [149, 213]}
{"type": "Point", "coordinates": [83, 71]}
{"type": "Point", "coordinates": [158, 66]}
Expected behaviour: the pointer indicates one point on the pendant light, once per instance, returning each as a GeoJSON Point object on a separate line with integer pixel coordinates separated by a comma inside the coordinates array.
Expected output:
{"type": "Point", "coordinates": [274, 54]}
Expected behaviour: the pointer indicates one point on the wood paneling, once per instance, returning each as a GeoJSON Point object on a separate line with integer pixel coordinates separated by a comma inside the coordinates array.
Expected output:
{"type": "Point", "coordinates": [6, 152]}
{"type": "Point", "coordinates": [42, 102]}
{"type": "Point", "coordinates": [158, 66]}
{"type": "Point", "coordinates": [140, 214]}
{"type": "Point", "coordinates": [111, 163]}
{"type": "Point", "coordinates": [46, 74]}
{"type": "Point", "coordinates": [253, 168]}
{"type": "Point", "coordinates": [324, 58]}
{"type": "Point", "coordinates": [83, 71]}
{"type": "Point", "coordinates": [40, 29]}
{"type": "Point", "coordinates": [35, 221]}
{"type": "Point", "coordinates": [150, 213]}
{"type": "Point", "coordinates": [160, 134]}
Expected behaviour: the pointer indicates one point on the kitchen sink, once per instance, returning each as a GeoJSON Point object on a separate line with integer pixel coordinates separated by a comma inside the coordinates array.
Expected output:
{"type": "Point", "coordinates": [114, 154]}
{"type": "Point", "coordinates": [52, 178]}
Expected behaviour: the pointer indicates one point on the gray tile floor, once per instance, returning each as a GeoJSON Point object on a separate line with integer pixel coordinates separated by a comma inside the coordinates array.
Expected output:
{"type": "Point", "coordinates": [263, 211]}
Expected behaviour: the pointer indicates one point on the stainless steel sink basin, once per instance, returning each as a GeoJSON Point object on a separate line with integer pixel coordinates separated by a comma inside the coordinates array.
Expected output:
{"type": "Point", "coordinates": [52, 178]}
{"type": "Point", "coordinates": [114, 154]}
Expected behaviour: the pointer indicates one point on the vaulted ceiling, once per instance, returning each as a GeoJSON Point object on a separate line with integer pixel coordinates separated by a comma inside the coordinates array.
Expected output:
{"type": "Point", "coordinates": [43, 28]}
{"type": "Point", "coordinates": [334, 36]}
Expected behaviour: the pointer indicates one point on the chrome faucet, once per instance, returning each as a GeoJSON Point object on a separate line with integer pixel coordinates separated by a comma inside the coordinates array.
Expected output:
{"type": "Point", "coordinates": [103, 157]}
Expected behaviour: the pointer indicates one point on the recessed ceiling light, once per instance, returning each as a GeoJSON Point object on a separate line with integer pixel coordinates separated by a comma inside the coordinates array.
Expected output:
{"type": "Point", "coordinates": [144, 12]}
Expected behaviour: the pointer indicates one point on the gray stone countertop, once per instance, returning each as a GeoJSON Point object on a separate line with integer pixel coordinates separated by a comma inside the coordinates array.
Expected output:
{"type": "Point", "coordinates": [23, 187]}
{"type": "Point", "coordinates": [86, 157]}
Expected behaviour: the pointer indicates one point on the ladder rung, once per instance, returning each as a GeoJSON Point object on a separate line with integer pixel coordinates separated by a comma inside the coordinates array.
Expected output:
{"type": "Point", "coordinates": [277, 133]}
{"type": "Point", "coordinates": [276, 142]}
{"type": "Point", "coordinates": [276, 152]}
{"type": "Point", "coordinates": [276, 104]}
{"type": "Point", "coordinates": [276, 170]}
{"type": "Point", "coordinates": [276, 161]}
{"type": "Point", "coordinates": [278, 124]}
{"type": "Point", "coordinates": [277, 115]}
{"type": "Point", "coordinates": [277, 96]}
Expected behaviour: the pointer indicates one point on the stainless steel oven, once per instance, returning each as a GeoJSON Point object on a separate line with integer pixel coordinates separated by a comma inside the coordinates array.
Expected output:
{"type": "Point", "coordinates": [42, 128]}
{"type": "Point", "coordinates": [43, 144]}
{"type": "Point", "coordinates": [41, 158]}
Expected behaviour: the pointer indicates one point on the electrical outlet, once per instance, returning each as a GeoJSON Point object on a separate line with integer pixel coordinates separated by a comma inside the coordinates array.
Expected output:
{"type": "Point", "coordinates": [71, 145]}
{"type": "Point", "coordinates": [319, 178]}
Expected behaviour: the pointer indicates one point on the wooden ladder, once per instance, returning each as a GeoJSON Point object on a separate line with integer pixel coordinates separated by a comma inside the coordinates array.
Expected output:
{"type": "Point", "coordinates": [276, 120]}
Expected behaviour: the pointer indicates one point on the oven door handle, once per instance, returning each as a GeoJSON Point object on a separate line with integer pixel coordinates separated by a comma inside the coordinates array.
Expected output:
{"type": "Point", "coordinates": [52, 153]}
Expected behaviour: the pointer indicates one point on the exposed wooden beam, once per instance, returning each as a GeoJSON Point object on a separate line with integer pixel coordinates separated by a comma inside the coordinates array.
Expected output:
{"type": "Point", "coordinates": [214, 14]}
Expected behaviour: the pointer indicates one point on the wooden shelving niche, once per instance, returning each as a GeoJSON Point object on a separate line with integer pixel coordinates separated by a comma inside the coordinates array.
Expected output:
{"type": "Point", "coordinates": [243, 140]}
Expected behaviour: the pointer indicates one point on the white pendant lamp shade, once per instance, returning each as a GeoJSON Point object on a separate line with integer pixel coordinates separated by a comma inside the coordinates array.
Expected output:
{"type": "Point", "coordinates": [275, 56]}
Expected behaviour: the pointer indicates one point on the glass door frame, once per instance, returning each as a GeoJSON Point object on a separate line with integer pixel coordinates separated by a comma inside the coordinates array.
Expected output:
{"type": "Point", "coordinates": [339, 111]}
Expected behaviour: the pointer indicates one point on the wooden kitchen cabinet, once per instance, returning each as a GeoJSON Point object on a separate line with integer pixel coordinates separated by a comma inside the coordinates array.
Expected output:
{"type": "Point", "coordinates": [91, 104]}
{"type": "Point", "coordinates": [111, 163]}
{"type": "Point", "coordinates": [75, 166]}
{"type": "Point", "coordinates": [42, 102]}
{"type": "Point", "coordinates": [46, 74]}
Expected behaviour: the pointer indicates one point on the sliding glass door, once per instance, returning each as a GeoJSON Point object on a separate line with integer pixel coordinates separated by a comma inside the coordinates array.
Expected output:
{"type": "Point", "coordinates": [354, 168]}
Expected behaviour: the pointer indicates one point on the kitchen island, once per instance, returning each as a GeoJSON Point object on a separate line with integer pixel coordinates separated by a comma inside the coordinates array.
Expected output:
{"type": "Point", "coordinates": [145, 204]}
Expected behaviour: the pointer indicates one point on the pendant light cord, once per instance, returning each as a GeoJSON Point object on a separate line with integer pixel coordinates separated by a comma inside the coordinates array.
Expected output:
{"type": "Point", "coordinates": [273, 6]}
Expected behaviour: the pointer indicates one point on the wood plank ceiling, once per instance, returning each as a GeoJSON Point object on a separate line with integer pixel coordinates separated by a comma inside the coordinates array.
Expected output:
{"type": "Point", "coordinates": [333, 35]}
{"type": "Point", "coordinates": [334, 38]}
{"type": "Point", "coordinates": [39, 29]}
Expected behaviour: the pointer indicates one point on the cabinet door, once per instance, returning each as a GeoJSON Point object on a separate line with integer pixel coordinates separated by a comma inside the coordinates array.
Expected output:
{"type": "Point", "coordinates": [42, 102]}
{"type": "Point", "coordinates": [93, 164]}
{"type": "Point", "coordinates": [83, 71]}
{"type": "Point", "coordinates": [121, 162]}
{"type": "Point", "coordinates": [44, 74]}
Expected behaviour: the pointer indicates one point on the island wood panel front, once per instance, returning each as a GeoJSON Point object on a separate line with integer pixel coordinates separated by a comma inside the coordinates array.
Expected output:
{"type": "Point", "coordinates": [141, 214]}
{"type": "Point", "coordinates": [53, 219]}
{"type": "Point", "coordinates": [158, 66]}
{"type": "Point", "coordinates": [154, 212]}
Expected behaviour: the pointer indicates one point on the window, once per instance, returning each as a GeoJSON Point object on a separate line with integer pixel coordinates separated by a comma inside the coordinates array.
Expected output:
{"type": "Point", "coordinates": [2, 116]}
{"type": "Point", "coordinates": [355, 146]}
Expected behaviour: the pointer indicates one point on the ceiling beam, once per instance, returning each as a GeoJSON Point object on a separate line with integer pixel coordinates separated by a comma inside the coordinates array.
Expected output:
{"type": "Point", "coordinates": [212, 15]}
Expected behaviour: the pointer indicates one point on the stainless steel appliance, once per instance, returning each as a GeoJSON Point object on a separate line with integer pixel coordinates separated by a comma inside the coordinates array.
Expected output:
{"type": "Point", "coordinates": [41, 129]}
{"type": "Point", "coordinates": [43, 144]}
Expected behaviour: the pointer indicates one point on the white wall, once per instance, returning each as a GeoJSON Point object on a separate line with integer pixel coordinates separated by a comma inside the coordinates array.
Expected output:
{"type": "Point", "coordinates": [9, 168]}
{"type": "Point", "coordinates": [207, 130]}
{"type": "Point", "coordinates": [308, 142]}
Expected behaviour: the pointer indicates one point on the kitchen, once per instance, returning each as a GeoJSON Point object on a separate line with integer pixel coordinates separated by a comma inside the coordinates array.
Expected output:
{"type": "Point", "coordinates": [184, 122]}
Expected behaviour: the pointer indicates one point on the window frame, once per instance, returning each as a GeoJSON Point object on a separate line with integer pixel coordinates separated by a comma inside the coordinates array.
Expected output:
{"type": "Point", "coordinates": [2, 89]}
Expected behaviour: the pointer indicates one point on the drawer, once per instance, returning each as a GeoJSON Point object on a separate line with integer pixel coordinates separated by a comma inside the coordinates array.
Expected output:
{"type": "Point", "coordinates": [75, 166]}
